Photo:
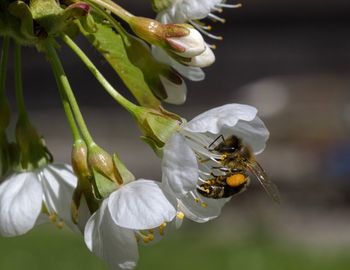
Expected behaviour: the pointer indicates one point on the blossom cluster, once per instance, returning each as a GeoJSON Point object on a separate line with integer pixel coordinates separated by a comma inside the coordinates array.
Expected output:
{"type": "Point", "coordinates": [205, 161]}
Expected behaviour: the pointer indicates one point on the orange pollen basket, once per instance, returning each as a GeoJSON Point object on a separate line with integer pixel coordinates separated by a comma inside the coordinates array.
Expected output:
{"type": "Point", "coordinates": [236, 180]}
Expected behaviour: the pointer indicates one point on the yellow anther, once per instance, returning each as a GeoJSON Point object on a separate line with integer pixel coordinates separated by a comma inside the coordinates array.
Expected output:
{"type": "Point", "coordinates": [180, 215]}
{"type": "Point", "coordinates": [162, 228]}
{"type": "Point", "coordinates": [60, 225]}
{"type": "Point", "coordinates": [196, 200]}
{"type": "Point", "coordinates": [53, 218]}
{"type": "Point", "coordinates": [148, 238]}
{"type": "Point", "coordinates": [204, 205]}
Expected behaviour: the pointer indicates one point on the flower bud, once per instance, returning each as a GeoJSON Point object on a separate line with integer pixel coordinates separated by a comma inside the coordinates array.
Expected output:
{"type": "Point", "coordinates": [181, 39]}
{"type": "Point", "coordinates": [102, 162]}
{"type": "Point", "coordinates": [189, 45]}
{"type": "Point", "coordinates": [79, 159]}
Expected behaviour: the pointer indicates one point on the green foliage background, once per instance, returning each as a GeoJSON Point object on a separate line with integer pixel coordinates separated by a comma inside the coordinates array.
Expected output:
{"type": "Point", "coordinates": [194, 247]}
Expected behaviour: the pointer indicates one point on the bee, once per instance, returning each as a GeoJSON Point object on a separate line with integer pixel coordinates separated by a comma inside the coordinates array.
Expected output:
{"type": "Point", "coordinates": [237, 161]}
{"type": "Point", "coordinates": [224, 186]}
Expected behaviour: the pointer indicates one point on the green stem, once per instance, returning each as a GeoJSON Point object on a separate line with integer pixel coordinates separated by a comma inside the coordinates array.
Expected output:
{"type": "Point", "coordinates": [131, 107]}
{"type": "Point", "coordinates": [68, 92]}
{"type": "Point", "coordinates": [114, 8]}
{"type": "Point", "coordinates": [3, 65]}
{"type": "Point", "coordinates": [66, 106]}
{"type": "Point", "coordinates": [18, 81]}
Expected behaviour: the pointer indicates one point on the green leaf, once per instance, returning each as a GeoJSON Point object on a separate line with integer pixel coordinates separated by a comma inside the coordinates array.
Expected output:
{"type": "Point", "coordinates": [103, 184]}
{"type": "Point", "coordinates": [111, 46]}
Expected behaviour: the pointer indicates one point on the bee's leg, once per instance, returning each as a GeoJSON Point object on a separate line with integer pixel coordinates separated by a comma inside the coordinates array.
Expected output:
{"type": "Point", "coordinates": [210, 145]}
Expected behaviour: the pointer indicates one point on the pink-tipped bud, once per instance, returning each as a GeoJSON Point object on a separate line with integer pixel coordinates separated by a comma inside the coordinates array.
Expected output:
{"type": "Point", "coordinates": [181, 39]}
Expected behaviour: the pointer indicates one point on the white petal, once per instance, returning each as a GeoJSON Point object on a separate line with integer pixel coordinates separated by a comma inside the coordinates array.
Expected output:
{"type": "Point", "coordinates": [20, 203]}
{"type": "Point", "coordinates": [58, 183]}
{"type": "Point", "coordinates": [179, 166]}
{"type": "Point", "coordinates": [140, 205]}
{"type": "Point", "coordinates": [191, 73]}
{"type": "Point", "coordinates": [253, 133]}
{"type": "Point", "coordinates": [225, 116]}
{"type": "Point", "coordinates": [195, 211]}
{"type": "Point", "coordinates": [176, 92]}
{"type": "Point", "coordinates": [115, 245]}
{"type": "Point", "coordinates": [193, 43]}
{"type": "Point", "coordinates": [205, 59]}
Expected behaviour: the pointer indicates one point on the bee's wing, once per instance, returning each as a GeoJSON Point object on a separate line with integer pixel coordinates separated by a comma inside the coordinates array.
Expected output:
{"type": "Point", "coordinates": [260, 174]}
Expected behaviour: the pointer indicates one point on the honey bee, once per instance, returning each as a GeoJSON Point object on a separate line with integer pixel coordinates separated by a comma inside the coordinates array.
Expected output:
{"type": "Point", "coordinates": [224, 186]}
{"type": "Point", "coordinates": [237, 161]}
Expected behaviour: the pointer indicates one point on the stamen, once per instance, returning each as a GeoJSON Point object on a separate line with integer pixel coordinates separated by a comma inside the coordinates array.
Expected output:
{"type": "Point", "coordinates": [217, 9]}
{"type": "Point", "coordinates": [56, 221]}
{"type": "Point", "coordinates": [216, 18]}
{"type": "Point", "coordinates": [229, 5]}
{"type": "Point", "coordinates": [180, 215]}
{"type": "Point", "coordinates": [145, 237]}
{"type": "Point", "coordinates": [201, 25]}
{"type": "Point", "coordinates": [207, 33]}
{"type": "Point", "coordinates": [179, 219]}
{"type": "Point", "coordinates": [212, 46]}
{"type": "Point", "coordinates": [197, 199]}
{"type": "Point", "coordinates": [162, 228]}
{"type": "Point", "coordinates": [204, 173]}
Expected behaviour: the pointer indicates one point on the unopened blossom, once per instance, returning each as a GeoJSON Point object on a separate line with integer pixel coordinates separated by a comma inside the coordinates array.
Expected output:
{"type": "Point", "coordinates": [183, 167]}
{"type": "Point", "coordinates": [32, 197]}
{"type": "Point", "coordinates": [137, 212]}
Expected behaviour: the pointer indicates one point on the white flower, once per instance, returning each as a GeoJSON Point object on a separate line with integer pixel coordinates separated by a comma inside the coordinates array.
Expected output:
{"type": "Point", "coordinates": [175, 88]}
{"type": "Point", "coordinates": [136, 212]}
{"type": "Point", "coordinates": [189, 72]}
{"type": "Point", "coordinates": [189, 45]}
{"type": "Point", "coordinates": [181, 11]}
{"type": "Point", "coordinates": [183, 167]}
{"type": "Point", "coordinates": [24, 196]}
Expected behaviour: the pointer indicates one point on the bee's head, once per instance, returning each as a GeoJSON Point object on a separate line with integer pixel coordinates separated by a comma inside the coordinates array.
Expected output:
{"type": "Point", "coordinates": [229, 145]}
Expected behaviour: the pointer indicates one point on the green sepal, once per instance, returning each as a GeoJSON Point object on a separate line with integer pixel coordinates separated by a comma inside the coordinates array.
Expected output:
{"type": "Point", "coordinates": [126, 175]}
{"type": "Point", "coordinates": [47, 14]}
{"type": "Point", "coordinates": [5, 162]}
{"type": "Point", "coordinates": [111, 45]}
{"type": "Point", "coordinates": [104, 185]}
{"type": "Point", "coordinates": [33, 153]}
{"type": "Point", "coordinates": [84, 190]}
{"type": "Point", "coordinates": [22, 11]}
{"type": "Point", "coordinates": [88, 23]}
{"type": "Point", "coordinates": [162, 127]}
{"type": "Point", "coordinates": [153, 144]}
{"type": "Point", "coordinates": [160, 5]}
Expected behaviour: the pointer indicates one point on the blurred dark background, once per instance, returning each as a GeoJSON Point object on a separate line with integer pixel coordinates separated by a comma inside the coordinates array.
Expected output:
{"type": "Point", "coordinates": [290, 59]}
